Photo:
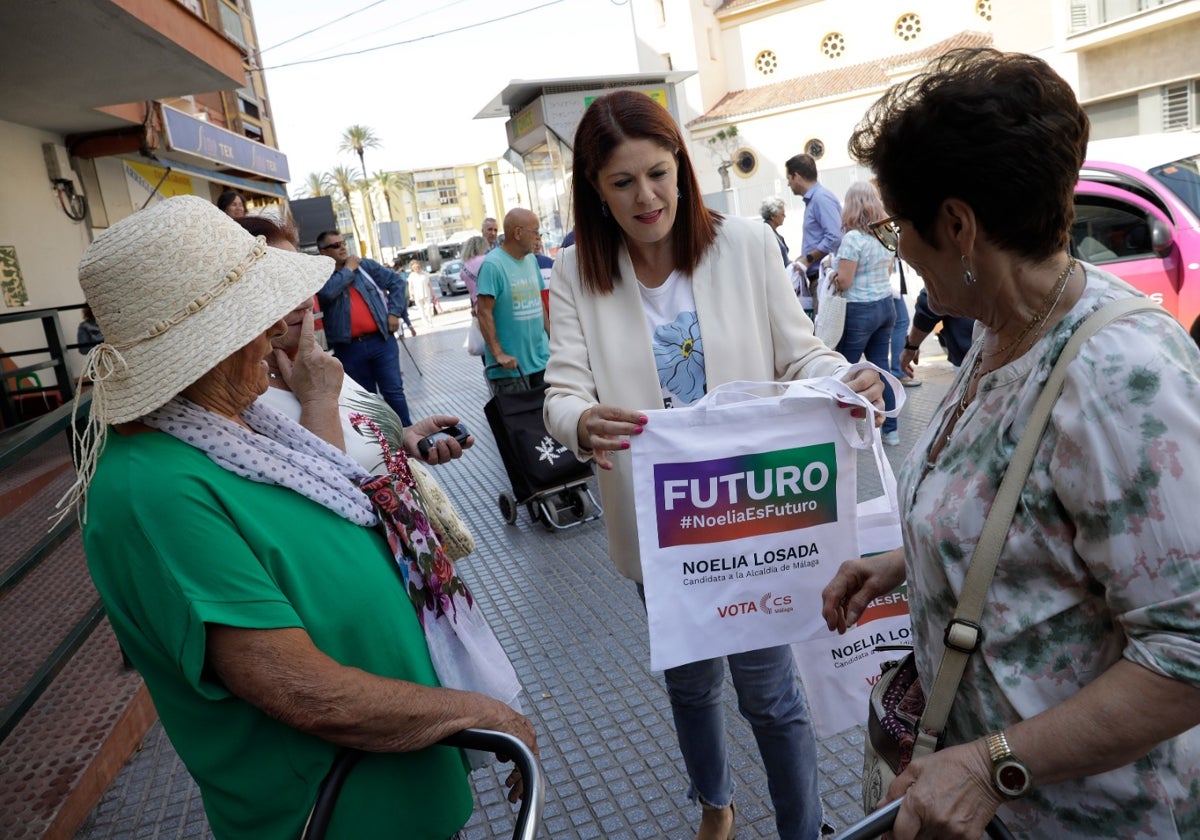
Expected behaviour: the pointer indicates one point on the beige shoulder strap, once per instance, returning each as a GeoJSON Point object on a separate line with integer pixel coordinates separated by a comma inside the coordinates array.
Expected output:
{"type": "Point", "coordinates": [963, 634]}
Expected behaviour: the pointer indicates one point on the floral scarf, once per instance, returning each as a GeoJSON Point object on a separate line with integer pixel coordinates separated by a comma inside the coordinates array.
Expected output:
{"type": "Point", "coordinates": [429, 575]}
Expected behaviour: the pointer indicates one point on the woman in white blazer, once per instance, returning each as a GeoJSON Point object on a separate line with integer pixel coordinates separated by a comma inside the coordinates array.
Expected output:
{"type": "Point", "coordinates": [659, 300]}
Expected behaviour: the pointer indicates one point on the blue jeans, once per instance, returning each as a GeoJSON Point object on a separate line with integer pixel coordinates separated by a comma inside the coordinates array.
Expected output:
{"type": "Point", "coordinates": [770, 699]}
{"type": "Point", "coordinates": [899, 336]}
{"type": "Point", "coordinates": [374, 363]}
{"type": "Point", "coordinates": [869, 331]}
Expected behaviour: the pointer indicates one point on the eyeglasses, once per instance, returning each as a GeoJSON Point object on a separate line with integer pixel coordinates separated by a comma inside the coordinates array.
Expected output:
{"type": "Point", "coordinates": [887, 232]}
{"type": "Point", "coordinates": [328, 245]}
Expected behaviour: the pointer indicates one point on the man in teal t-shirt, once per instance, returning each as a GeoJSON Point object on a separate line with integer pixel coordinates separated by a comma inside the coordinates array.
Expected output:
{"type": "Point", "coordinates": [513, 320]}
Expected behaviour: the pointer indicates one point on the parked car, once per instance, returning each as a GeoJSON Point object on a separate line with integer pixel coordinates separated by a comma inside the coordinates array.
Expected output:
{"type": "Point", "coordinates": [450, 279]}
{"type": "Point", "coordinates": [1137, 214]}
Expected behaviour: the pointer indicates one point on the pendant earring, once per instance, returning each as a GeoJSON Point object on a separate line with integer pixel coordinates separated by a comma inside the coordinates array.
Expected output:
{"type": "Point", "coordinates": [968, 275]}
{"type": "Point", "coordinates": [604, 209]}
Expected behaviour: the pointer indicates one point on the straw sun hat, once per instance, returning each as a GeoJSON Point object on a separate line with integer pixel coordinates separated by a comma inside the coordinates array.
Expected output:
{"type": "Point", "coordinates": [176, 288]}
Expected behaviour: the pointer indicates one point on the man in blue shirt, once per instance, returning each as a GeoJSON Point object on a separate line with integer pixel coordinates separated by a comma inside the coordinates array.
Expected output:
{"type": "Point", "coordinates": [363, 302]}
{"type": "Point", "coordinates": [822, 214]}
{"type": "Point", "coordinates": [511, 315]}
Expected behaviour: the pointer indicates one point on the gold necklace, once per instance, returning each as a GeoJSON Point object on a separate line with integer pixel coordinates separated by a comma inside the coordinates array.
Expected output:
{"type": "Point", "coordinates": [1049, 303]}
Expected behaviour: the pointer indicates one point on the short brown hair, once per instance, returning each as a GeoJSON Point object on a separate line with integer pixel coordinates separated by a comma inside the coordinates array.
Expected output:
{"type": "Point", "coordinates": [270, 230]}
{"type": "Point", "coordinates": [1000, 131]}
{"type": "Point", "coordinates": [802, 165]}
{"type": "Point", "coordinates": [612, 119]}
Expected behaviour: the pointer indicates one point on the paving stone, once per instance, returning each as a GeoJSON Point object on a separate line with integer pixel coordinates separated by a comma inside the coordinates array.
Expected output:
{"type": "Point", "coordinates": [576, 632]}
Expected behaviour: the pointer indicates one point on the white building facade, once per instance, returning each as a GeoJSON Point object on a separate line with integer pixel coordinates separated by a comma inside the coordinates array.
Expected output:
{"type": "Point", "coordinates": [798, 75]}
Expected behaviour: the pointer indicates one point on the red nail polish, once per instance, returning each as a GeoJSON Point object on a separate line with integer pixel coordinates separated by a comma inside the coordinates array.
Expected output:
{"type": "Point", "coordinates": [624, 444]}
{"type": "Point", "coordinates": [638, 430]}
{"type": "Point", "coordinates": [643, 419]}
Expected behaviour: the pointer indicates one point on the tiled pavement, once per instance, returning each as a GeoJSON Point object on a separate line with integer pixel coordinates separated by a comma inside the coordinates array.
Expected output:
{"type": "Point", "coordinates": [576, 633]}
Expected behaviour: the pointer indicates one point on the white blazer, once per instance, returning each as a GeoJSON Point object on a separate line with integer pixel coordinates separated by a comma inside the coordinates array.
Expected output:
{"type": "Point", "coordinates": [752, 325]}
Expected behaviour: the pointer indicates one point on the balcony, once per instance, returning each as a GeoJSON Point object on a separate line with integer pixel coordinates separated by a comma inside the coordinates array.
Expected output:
{"type": "Point", "coordinates": [1099, 23]}
{"type": "Point", "coordinates": [66, 62]}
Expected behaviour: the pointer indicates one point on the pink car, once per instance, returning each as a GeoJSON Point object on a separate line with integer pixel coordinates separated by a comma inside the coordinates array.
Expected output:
{"type": "Point", "coordinates": [1140, 218]}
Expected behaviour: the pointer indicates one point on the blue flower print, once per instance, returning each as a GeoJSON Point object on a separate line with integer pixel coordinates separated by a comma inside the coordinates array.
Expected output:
{"type": "Point", "coordinates": [679, 356]}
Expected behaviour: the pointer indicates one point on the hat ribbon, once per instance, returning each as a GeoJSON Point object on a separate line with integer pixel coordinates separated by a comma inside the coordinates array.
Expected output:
{"type": "Point", "coordinates": [202, 300]}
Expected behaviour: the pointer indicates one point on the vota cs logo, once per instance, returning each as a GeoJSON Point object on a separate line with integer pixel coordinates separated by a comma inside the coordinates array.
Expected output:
{"type": "Point", "coordinates": [746, 495]}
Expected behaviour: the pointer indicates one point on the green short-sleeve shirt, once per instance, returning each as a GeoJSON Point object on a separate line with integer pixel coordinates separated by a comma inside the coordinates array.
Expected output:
{"type": "Point", "coordinates": [175, 542]}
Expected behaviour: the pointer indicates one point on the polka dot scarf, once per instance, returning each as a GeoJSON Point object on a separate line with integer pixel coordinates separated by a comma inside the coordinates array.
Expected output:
{"type": "Point", "coordinates": [278, 451]}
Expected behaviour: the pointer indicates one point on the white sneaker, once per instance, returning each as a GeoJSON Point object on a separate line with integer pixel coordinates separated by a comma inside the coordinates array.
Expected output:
{"type": "Point", "coordinates": [891, 438]}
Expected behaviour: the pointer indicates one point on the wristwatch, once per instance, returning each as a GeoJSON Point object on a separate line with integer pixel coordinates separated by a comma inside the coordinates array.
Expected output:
{"type": "Point", "coordinates": [913, 347]}
{"type": "Point", "coordinates": [1010, 777]}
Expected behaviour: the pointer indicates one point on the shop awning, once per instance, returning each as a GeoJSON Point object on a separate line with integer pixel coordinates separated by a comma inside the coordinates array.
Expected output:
{"type": "Point", "coordinates": [244, 184]}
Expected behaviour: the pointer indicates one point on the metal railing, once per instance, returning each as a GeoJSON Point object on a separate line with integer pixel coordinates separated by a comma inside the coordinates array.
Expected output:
{"type": "Point", "coordinates": [14, 444]}
{"type": "Point", "coordinates": [55, 348]}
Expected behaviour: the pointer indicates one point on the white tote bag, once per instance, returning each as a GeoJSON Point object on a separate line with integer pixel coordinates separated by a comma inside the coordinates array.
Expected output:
{"type": "Point", "coordinates": [746, 507]}
{"type": "Point", "coordinates": [839, 671]}
{"type": "Point", "coordinates": [474, 343]}
{"type": "Point", "coordinates": [831, 308]}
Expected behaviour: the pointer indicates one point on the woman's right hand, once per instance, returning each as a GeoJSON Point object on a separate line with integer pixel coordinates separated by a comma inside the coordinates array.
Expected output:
{"type": "Point", "coordinates": [606, 428]}
{"type": "Point", "coordinates": [514, 723]}
{"type": "Point", "coordinates": [313, 375]}
{"type": "Point", "coordinates": [856, 584]}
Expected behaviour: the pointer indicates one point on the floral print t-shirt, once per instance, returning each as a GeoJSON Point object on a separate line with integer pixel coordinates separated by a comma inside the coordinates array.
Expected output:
{"type": "Point", "coordinates": [1102, 561]}
{"type": "Point", "coordinates": [675, 337]}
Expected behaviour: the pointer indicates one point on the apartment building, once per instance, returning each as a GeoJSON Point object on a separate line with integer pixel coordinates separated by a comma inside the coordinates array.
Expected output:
{"type": "Point", "coordinates": [109, 105]}
{"type": "Point", "coordinates": [436, 205]}
{"type": "Point", "coordinates": [1138, 65]}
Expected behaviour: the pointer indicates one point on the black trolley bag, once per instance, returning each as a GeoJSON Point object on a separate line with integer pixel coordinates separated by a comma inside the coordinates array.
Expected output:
{"type": "Point", "coordinates": [545, 476]}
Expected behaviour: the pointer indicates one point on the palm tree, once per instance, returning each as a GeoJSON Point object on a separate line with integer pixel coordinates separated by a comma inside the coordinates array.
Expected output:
{"type": "Point", "coordinates": [391, 183]}
{"type": "Point", "coordinates": [343, 180]}
{"type": "Point", "coordinates": [355, 139]}
{"type": "Point", "coordinates": [387, 182]}
{"type": "Point", "coordinates": [315, 184]}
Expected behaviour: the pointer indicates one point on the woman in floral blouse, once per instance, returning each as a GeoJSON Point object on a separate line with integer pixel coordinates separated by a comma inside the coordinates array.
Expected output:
{"type": "Point", "coordinates": [1090, 662]}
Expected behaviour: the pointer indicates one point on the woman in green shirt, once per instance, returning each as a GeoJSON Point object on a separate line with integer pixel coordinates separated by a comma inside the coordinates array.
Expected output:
{"type": "Point", "coordinates": [237, 553]}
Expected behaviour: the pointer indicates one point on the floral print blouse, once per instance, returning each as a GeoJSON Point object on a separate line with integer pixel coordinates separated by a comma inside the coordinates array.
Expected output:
{"type": "Point", "coordinates": [1102, 560]}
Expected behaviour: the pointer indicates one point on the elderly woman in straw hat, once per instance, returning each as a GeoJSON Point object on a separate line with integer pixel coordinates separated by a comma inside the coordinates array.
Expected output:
{"type": "Point", "coordinates": [237, 553]}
